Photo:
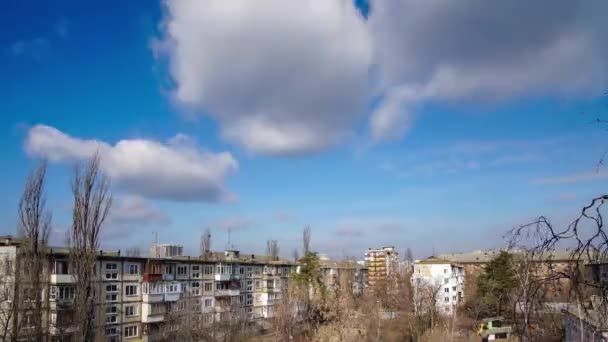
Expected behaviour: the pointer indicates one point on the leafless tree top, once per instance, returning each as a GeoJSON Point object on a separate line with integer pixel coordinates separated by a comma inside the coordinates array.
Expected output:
{"type": "Point", "coordinates": [92, 202]}
{"type": "Point", "coordinates": [206, 242]}
{"type": "Point", "coordinates": [34, 219]}
{"type": "Point", "coordinates": [306, 239]}
{"type": "Point", "coordinates": [272, 248]}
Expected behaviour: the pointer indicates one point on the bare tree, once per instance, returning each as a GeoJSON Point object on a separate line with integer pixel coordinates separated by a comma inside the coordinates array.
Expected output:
{"type": "Point", "coordinates": [206, 243]}
{"type": "Point", "coordinates": [272, 248]}
{"type": "Point", "coordinates": [586, 233]}
{"type": "Point", "coordinates": [7, 279]}
{"type": "Point", "coordinates": [92, 202]}
{"type": "Point", "coordinates": [133, 251]}
{"type": "Point", "coordinates": [409, 257]}
{"type": "Point", "coordinates": [306, 240]}
{"type": "Point", "coordinates": [29, 284]}
{"type": "Point", "coordinates": [296, 255]}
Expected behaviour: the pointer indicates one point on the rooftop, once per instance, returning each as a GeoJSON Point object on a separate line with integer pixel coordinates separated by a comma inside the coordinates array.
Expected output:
{"type": "Point", "coordinates": [435, 261]}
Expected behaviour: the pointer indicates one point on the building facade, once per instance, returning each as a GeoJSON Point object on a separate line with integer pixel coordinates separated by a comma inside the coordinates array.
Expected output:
{"type": "Point", "coordinates": [442, 280]}
{"type": "Point", "coordinates": [381, 263]}
{"type": "Point", "coordinates": [137, 296]}
{"type": "Point", "coordinates": [344, 273]}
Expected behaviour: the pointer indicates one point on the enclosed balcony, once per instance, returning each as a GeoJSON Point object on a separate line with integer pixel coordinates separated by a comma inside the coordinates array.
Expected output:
{"type": "Point", "coordinates": [160, 291]}
{"type": "Point", "coordinates": [227, 292]}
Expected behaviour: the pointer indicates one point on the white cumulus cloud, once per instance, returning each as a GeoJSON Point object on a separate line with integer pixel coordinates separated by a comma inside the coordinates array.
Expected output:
{"type": "Point", "coordinates": [484, 51]}
{"type": "Point", "coordinates": [289, 77]}
{"type": "Point", "coordinates": [281, 77]}
{"type": "Point", "coordinates": [175, 170]}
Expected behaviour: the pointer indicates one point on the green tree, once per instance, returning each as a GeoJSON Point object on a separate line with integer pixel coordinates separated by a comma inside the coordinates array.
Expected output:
{"type": "Point", "coordinates": [496, 283]}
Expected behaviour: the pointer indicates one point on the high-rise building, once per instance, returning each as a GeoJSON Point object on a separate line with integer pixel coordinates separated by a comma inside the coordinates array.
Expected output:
{"type": "Point", "coordinates": [381, 263]}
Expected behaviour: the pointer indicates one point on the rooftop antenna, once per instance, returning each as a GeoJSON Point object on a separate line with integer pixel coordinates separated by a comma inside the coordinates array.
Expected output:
{"type": "Point", "coordinates": [229, 244]}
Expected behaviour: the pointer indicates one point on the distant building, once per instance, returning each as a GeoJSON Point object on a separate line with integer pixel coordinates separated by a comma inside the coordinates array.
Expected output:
{"type": "Point", "coordinates": [444, 278]}
{"type": "Point", "coordinates": [475, 262]}
{"type": "Point", "coordinates": [166, 251]}
{"type": "Point", "coordinates": [381, 263]}
{"type": "Point", "coordinates": [344, 273]}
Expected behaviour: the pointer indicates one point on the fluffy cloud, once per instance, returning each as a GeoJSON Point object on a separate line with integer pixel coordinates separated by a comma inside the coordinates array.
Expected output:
{"type": "Point", "coordinates": [135, 210]}
{"type": "Point", "coordinates": [175, 170]}
{"type": "Point", "coordinates": [285, 77]}
{"type": "Point", "coordinates": [469, 50]}
{"type": "Point", "coordinates": [281, 77]}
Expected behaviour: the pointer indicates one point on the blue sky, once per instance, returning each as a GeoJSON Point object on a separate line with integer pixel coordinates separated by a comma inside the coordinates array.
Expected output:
{"type": "Point", "coordinates": [222, 117]}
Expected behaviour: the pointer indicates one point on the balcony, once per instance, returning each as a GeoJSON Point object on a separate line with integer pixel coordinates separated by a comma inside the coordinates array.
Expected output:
{"type": "Point", "coordinates": [62, 279]}
{"type": "Point", "coordinates": [153, 297]}
{"type": "Point", "coordinates": [226, 293]}
{"type": "Point", "coordinates": [153, 317]}
{"type": "Point", "coordinates": [149, 277]}
{"type": "Point", "coordinates": [226, 277]}
{"type": "Point", "coordinates": [172, 296]}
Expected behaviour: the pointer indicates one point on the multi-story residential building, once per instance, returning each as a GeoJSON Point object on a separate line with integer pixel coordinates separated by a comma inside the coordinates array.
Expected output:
{"type": "Point", "coordinates": [444, 279]}
{"type": "Point", "coordinates": [475, 262]}
{"type": "Point", "coordinates": [381, 263]}
{"type": "Point", "coordinates": [166, 250]}
{"type": "Point", "coordinates": [335, 272]}
{"type": "Point", "coordinates": [137, 295]}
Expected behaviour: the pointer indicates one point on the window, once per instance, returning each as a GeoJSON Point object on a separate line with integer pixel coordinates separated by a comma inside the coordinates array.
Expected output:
{"type": "Point", "coordinates": [241, 270]}
{"type": "Point", "coordinates": [257, 284]}
{"type": "Point", "coordinates": [208, 287]}
{"type": "Point", "coordinates": [112, 288]}
{"type": "Point", "coordinates": [131, 331]}
{"type": "Point", "coordinates": [196, 288]}
{"type": "Point", "coordinates": [182, 270]}
{"type": "Point", "coordinates": [453, 288]}
{"type": "Point", "coordinates": [249, 299]}
{"type": "Point", "coordinates": [111, 297]}
{"type": "Point", "coordinates": [157, 308]}
{"type": "Point", "coordinates": [111, 266]}
{"type": "Point", "coordinates": [112, 319]}
{"type": "Point", "coordinates": [113, 275]}
{"type": "Point", "coordinates": [196, 275]}
{"type": "Point", "coordinates": [60, 267]}
{"type": "Point", "coordinates": [445, 271]}
{"type": "Point", "coordinates": [208, 269]}
{"type": "Point", "coordinates": [111, 331]}
{"type": "Point", "coordinates": [168, 269]}
{"type": "Point", "coordinates": [131, 290]}
{"type": "Point", "coordinates": [447, 289]}
{"type": "Point", "coordinates": [447, 299]}
{"type": "Point", "coordinates": [111, 310]}
{"type": "Point", "coordinates": [130, 311]}
{"type": "Point", "coordinates": [445, 280]}
{"type": "Point", "coordinates": [195, 268]}
{"type": "Point", "coordinates": [62, 292]}
{"type": "Point", "coordinates": [208, 303]}
{"type": "Point", "coordinates": [249, 285]}
{"type": "Point", "coordinates": [133, 269]}
{"type": "Point", "coordinates": [447, 309]}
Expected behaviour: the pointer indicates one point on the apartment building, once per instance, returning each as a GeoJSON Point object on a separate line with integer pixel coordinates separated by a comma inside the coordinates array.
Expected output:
{"type": "Point", "coordinates": [441, 279]}
{"type": "Point", "coordinates": [381, 263]}
{"type": "Point", "coordinates": [335, 273]}
{"type": "Point", "coordinates": [138, 295]}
